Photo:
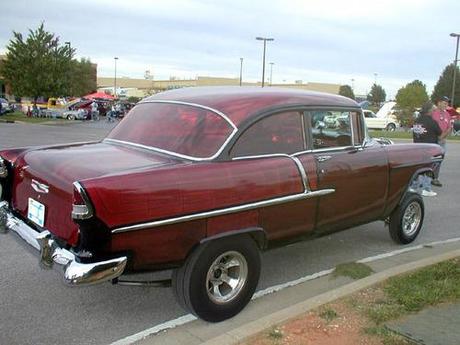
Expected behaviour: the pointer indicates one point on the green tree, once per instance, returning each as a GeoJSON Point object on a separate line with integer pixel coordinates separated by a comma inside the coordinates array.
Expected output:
{"type": "Point", "coordinates": [408, 98]}
{"type": "Point", "coordinates": [82, 79]}
{"type": "Point", "coordinates": [37, 65]}
{"type": "Point", "coordinates": [444, 85]}
{"type": "Point", "coordinates": [377, 95]}
{"type": "Point", "coordinates": [347, 91]}
{"type": "Point", "coordinates": [133, 99]}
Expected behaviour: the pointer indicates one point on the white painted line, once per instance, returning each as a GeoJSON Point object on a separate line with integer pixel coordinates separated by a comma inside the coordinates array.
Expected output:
{"type": "Point", "coordinates": [408, 249]}
{"type": "Point", "coordinates": [156, 329]}
{"type": "Point", "coordinates": [189, 317]}
{"type": "Point", "coordinates": [301, 280]}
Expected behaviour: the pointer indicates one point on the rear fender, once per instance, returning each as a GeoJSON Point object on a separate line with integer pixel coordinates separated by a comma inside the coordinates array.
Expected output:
{"type": "Point", "coordinates": [257, 234]}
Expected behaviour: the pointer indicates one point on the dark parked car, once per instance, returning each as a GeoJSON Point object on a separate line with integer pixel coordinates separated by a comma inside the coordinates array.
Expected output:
{"type": "Point", "coordinates": [201, 180]}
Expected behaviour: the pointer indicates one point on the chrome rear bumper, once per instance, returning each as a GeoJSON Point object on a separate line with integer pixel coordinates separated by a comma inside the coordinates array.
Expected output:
{"type": "Point", "coordinates": [51, 254]}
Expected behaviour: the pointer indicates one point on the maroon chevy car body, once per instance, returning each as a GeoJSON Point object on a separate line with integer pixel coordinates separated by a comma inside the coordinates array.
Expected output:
{"type": "Point", "coordinates": [200, 180]}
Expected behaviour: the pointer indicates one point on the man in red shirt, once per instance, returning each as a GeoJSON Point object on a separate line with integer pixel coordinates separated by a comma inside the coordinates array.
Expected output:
{"type": "Point", "coordinates": [442, 117]}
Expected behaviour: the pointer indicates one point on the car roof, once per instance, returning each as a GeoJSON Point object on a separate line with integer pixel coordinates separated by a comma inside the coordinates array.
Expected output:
{"type": "Point", "coordinates": [240, 103]}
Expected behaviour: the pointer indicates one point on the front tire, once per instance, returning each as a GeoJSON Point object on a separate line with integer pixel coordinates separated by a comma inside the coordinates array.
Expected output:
{"type": "Point", "coordinates": [219, 278]}
{"type": "Point", "coordinates": [407, 219]}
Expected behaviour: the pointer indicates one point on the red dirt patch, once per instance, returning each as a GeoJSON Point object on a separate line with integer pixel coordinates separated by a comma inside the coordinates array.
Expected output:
{"type": "Point", "coordinates": [345, 329]}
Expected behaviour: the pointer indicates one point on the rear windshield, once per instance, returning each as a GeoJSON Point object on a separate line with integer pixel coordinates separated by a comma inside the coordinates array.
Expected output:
{"type": "Point", "coordinates": [177, 128]}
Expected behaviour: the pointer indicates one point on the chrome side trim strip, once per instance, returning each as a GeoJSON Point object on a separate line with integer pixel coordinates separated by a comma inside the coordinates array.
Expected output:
{"type": "Point", "coordinates": [224, 211]}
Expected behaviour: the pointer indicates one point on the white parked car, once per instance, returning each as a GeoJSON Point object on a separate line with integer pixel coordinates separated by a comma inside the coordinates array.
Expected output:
{"type": "Point", "coordinates": [388, 122]}
{"type": "Point", "coordinates": [5, 106]}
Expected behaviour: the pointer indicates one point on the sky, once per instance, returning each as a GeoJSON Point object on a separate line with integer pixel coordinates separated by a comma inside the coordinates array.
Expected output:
{"type": "Point", "coordinates": [392, 42]}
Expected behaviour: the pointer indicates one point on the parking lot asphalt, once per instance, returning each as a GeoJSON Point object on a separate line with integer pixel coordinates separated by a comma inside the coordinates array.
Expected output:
{"type": "Point", "coordinates": [36, 308]}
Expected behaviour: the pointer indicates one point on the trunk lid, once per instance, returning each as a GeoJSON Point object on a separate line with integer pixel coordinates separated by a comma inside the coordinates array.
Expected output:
{"type": "Point", "coordinates": [43, 179]}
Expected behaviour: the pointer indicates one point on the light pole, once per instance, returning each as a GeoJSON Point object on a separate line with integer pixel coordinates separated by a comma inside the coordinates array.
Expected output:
{"type": "Point", "coordinates": [271, 72]}
{"type": "Point", "coordinates": [115, 79]}
{"type": "Point", "coordinates": [375, 78]}
{"type": "Point", "coordinates": [263, 60]}
{"type": "Point", "coordinates": [353, 84]}
{"type": "Point", "coordinates": [241, 71]}
{"type": "Point", "coordinates": [455, 70]}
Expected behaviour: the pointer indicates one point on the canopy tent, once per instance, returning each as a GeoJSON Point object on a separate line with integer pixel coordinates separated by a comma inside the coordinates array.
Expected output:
{"type": "Point", "coordinates": [99, 95]}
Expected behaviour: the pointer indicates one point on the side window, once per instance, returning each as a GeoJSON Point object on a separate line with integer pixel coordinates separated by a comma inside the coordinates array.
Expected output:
{"type": "Point", "coordinates": [330, 128]}
{"type": "Point", "coordinates": [279, 133]}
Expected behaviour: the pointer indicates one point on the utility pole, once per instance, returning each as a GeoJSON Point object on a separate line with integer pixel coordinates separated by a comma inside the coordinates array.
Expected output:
{"type": "Point", "coordinates": [115, 79]}
{"type": "Point", "coordinates": [263, 59]}
{"type": "Point", "coordinates": [452, 98]}
{"type": "Point", "coordinates": [271, 73]}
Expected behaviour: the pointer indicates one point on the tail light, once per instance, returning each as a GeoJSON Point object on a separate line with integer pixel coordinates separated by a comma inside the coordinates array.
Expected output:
{"type": "Point", "coordinates": [81, 207]}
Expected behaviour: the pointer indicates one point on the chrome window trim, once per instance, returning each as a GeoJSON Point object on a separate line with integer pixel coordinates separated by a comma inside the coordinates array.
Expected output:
{"type": "Point", "coordinates": [180, 155]}
{"type": "Point", "coordinates": [226, 118]}
{"type": "Point", "coordinates": [338, 148]}
{"type": "Point", "coordinates": [304, 130]}
{"type": "Point", "coordinates": [224, 211]}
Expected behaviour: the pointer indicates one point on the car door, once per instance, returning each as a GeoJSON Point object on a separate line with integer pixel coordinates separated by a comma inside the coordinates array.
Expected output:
{"type": "Point", "coordinates": [372, 121]}
{"type": "Point", "coordinates": [357, 174]}
{"type": "Point", "coordinates": [279, 136]}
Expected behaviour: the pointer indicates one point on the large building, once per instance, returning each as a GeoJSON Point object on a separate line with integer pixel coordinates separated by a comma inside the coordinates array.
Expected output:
{"type": "Point", "coordinates": [143, 87]}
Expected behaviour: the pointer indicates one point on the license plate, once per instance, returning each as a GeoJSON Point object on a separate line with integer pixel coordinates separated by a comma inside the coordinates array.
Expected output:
{"type": "Point", "coordinates": [36, 212]}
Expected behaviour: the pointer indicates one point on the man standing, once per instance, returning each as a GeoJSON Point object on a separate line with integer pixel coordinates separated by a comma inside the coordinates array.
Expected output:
{"type": "Point", "coordinates": [425, 130]}
{"type": "Point", "coordinates": [442, 117]}
{"type": "Point", "coordinates": [94, 111]}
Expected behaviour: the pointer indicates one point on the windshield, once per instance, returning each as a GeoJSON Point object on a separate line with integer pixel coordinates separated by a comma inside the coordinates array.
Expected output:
{"type": "Point", "coordinates": [177, 128]}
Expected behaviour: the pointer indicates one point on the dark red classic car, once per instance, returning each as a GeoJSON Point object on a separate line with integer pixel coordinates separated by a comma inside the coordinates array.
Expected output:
{"type": "Point", "coordinates": [201, 180]}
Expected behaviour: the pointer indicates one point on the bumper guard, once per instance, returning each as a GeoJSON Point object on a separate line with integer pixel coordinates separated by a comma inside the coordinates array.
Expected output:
{"type": "Point", "coordinates": [51, 254]}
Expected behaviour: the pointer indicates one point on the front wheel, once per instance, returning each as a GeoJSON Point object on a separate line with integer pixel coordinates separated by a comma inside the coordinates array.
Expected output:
{"type": "Point", "coordinates": [70, 117]}
{"type": "Point", "coordinates": [219, 278]}
{"type": "Point", "coordinates": [407, 219]}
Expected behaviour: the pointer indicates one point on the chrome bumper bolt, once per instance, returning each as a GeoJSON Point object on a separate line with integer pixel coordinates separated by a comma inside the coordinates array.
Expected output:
{"type": "Point", "coordinates": [47, 248]}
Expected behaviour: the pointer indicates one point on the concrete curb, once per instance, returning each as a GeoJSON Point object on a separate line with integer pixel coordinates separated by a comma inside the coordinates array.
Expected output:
{"type": "Point", "coordinates": [252, 328]}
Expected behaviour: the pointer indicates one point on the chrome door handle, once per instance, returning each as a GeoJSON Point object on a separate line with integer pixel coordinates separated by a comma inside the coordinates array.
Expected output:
{"type": "Point", "coordinates": [323, 158]}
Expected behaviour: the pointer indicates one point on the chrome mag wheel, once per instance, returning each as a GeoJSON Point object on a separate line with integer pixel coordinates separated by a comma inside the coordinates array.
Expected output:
{"type": "Point", "coordinates": [226, 277]}
{"type": "Point", "coordinates": [411, 218]}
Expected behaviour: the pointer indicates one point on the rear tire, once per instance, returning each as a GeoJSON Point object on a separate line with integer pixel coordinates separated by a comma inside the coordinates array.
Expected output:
{"type": "Point", "coordinates": [391, 127]}
{"type": "Point", "coordinates": [407, 219]}
{"type": "Point", "coordinates": [219, 278]}
{"type": "Point", "coordinates": [70, 117]}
